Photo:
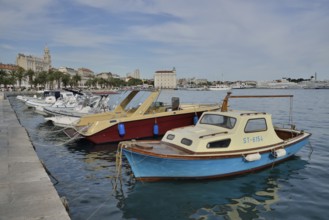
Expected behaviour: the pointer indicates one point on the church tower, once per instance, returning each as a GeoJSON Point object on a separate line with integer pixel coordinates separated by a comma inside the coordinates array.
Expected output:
{"type": "Point", "coordinates": [47, 58]}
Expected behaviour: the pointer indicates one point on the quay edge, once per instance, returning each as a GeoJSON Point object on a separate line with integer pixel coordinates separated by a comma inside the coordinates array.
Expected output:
{"type": "Point", "coordinates": [26, 191]}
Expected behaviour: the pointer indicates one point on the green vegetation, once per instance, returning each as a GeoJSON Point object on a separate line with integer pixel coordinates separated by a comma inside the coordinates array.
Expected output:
{"type": "Point", "coordinates": [6, 79]}
{"type": "Point", "coordinates": [54, 79]}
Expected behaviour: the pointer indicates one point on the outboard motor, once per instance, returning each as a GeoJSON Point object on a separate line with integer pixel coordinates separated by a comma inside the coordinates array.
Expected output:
{"type": "Point", "coordinates": [57, 94]}
{"type": "Point", "coordinates": [175, 103]}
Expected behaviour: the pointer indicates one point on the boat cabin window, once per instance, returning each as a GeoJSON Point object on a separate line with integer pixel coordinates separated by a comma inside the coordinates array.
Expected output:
{"type": "Point", "coordinates": [255, 125]}
{"type": "Point", "coordinates": [170, 137]}
{"type": "Point", "coordinates": [186, 141]}
{"type": "Point", "coordinates": [218, 120]}
{"type": "Point", "coordinates": [219, 144]}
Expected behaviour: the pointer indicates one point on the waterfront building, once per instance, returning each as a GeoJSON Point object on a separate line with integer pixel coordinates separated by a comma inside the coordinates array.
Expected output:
{"type": "Point", "coordinates": [104, 75]}
{"type": "Point", "coordinates": [8, 67]}
{"type": "Point", "coordinates": [85, 74]}
{"type": "Point", "coordinates": [277, 84]}
{"type": "Point", "coordinates": [37, 64]}
{"type": "Point", "coordinates": [68, 71]}
{"type": "Point", "coordinates": [192, 83]}
{"type": "Point", "coordinates": [314, 83]}
{"type": "Point", "coordinates": [165, 79]}
{"type": "Point", "coordinates": [135, 74]}
{"type": "Point", "coordinates": [200, 81]}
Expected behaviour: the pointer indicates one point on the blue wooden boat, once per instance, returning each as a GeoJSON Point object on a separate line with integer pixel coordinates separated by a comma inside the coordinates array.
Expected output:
{"type": "Point", "coordinates": [222, 143]}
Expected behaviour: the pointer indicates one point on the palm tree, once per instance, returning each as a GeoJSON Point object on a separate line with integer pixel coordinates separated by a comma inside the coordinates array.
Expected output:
{"type": "Point", "coordinates": [30, 74]}
{"type": "Point", "coordinates": [66, 80]}
{"type": "Point", "coordinates": [3, 76]}
{"type": "Point", "coordinates": [89, 83]}
{"type": "Point", "coordinates": [76, 79]}
{"type": "Point", "coordinates": [116, 82]}
{"type": "Point", "coordinates": [92, 82]}
{"type": "Point", "coordinates": [50, 79]}
{"type": "Point", "coordinates": [7, 79]}
{"type": "Point", "coordinates": [102, 82]}
{"type": "Point", "coordinates": [41, 79]}
{"type": "Point", "coordinates": [135, 82]}
{"type": "Point", "coordinates": [19, 75]}
{"type": "Point", "coordinates": [58, 76]}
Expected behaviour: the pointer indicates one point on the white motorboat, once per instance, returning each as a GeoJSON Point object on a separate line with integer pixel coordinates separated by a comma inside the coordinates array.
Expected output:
{"type": "Point", "coordinates": [219, 87]}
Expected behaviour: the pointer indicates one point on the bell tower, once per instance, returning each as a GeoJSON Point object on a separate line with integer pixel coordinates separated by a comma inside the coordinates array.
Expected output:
{"type": "Point", "coordinates": [47, 58]}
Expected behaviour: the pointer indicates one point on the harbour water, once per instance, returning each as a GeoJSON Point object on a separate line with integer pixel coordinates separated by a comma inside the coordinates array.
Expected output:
{"type": "Point", "coordinates": [296, 189]}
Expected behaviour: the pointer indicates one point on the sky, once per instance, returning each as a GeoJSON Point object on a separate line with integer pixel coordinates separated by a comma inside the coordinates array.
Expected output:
{"type": "Point", "coordinates": [210, 39]}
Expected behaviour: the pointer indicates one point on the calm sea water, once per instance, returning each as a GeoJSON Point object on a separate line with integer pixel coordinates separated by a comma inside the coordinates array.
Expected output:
{"type": "Point", "coordinates": [295, 189]}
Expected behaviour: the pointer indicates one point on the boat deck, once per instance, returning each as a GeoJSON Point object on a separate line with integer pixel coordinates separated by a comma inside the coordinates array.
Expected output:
{"type": "Point", "coordinates": [156, 148]}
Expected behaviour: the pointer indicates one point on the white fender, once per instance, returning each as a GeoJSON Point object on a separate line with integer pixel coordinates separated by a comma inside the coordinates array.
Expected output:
{"type": "Point", "coordinates": [253, 157]}
{"type": "Point", "coordinates": [279, 153]}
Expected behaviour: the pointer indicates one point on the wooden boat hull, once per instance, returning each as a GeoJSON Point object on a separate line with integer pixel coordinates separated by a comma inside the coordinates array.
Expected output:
{"type": "Point", "coordinates": [154, 168]}
{"type": "Point", "coordinates": [142, 128]}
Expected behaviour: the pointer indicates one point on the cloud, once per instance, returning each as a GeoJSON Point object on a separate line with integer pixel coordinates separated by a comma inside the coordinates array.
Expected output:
{"type": "Point", "coordinates": [22, 16]}
{"type": "Point", "coordinates": [238, 38]}
{"type": "Point", "coordinates": [80, 37]}
{"type": "Point", "coordinates": [6, 46]}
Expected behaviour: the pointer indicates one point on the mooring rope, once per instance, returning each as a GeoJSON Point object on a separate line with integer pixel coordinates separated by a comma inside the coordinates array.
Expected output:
{"type": "Point", "coordinates": [311, 147]}
{"type": "Point", "coordinates": [118, 167]}
{"type": "Point", "coordinates": [75, 137]}
{"type": "Point", "coordinates": [118, 161]}
{"type": "Point", "coordinates": [55, 131]}
{"type": "Point", "coordinates": [100, 206]}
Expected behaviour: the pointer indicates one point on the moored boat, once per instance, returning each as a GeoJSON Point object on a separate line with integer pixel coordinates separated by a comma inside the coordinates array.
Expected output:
{"type": "Point", "coordinates": [88, 105]}
{"type": "Point", "coordinates": [62, 120]}
{"type": "Point", "coordinates": [51, 98]}
{"type": "Point", "coordinates": [219, 87]}
{"type": "Point", "coordinates": [222, 143]}
{"type": "Point", "coordinates": [147, 119]}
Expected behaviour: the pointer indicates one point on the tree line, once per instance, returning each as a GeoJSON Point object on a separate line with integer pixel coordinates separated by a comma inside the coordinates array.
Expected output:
{"type": "Point", "coordinates": [298, 80]}
{"type": "Point", "coordinates": [54, 79]}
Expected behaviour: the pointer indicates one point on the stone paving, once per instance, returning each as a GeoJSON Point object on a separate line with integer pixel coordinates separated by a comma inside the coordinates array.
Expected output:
{"type": "Point", "coordinates": [26, 191]}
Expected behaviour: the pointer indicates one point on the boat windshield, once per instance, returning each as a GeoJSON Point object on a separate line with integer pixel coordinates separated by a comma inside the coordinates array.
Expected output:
{"type": "Point", "coordinates": [218, 120]}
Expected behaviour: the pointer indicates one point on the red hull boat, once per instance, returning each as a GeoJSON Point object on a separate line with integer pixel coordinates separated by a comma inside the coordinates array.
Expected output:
{"type": "Point", "coordinates": [143, 128]}
{"type": "Point", "coordinates": [146, 120]}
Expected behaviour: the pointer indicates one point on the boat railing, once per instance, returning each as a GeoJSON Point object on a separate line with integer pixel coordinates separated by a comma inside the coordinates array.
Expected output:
{"type": "Point", "coordinates": [213, 134]}
{"type": "Point", "coordinates": [228, 96]}
{"type": "Point", "coordinates": [189, 106]}
{"type": "Point", "coordinates": [253, 113]}
{"type": "Point", "coordinates": [285, 126]}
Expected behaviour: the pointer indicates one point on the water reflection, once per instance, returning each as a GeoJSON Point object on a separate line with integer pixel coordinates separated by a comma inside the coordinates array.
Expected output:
{"type": "Point", "coordinates": [244, 197]}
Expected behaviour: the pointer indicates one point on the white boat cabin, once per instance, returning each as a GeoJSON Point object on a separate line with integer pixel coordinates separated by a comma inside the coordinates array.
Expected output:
{"type": "Point", "coordinates": [225, 131]}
